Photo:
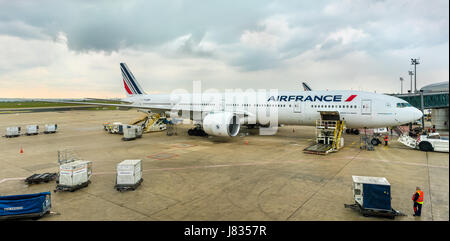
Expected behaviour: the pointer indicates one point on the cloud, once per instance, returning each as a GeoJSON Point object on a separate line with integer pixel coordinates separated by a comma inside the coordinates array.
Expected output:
{"type": "Point", "coordinates": [188, 45]}
{"type": "Point", "coordinates": [347, 36]}
{"type": "Point", "coordinates": [67, 45]}
{"type": "Point", "coordinates": [275, 32]}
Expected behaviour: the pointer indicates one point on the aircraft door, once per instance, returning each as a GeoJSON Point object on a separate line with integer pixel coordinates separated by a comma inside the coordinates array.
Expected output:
{"type": "Point", "coordinates": [366, 107]}
{"type": "Point", "coordinates": [222, 104]}
{"type": "Point", "coordinates": [295, 116]}
{"type": "Point", "coordinates": [297, 108]}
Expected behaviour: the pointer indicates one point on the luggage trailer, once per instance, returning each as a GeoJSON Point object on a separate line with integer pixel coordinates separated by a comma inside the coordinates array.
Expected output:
{"type": "Point", "coordinates": [25, 206]}
{"type": "Point", "coordinates": [372, 197]}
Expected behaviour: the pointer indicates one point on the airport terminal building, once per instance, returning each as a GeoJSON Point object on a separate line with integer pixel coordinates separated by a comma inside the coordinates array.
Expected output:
{"type": "Point", "coordinates": [439, 115]}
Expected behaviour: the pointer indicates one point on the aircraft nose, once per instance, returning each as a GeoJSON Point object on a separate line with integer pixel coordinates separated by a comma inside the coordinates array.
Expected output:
{"type": "Point", "coordinates": [417, 114]}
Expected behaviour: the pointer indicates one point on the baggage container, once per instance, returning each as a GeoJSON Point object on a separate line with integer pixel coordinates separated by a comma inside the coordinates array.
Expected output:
{"type": "Point", "coordinates": [75, 173]}
{"type": "Point", "coordinates": [129, 172]}
{"type": "Point", "coordinates": [129, 132]}
{"type": "Point", "coordinates": [50, 128]}
{"type": "Point", "coordinates": [25, 206]}
{"type": "Point", "coordinates": [372, 197]}
{"type": "Point", "coordinates": [116, 128]}
{"type": "Point", "coordinates": [12, 131]}
{"type": "Point", "coordinates": [32, 130]}
{"type": "Point", "coordinates": [372, 192]}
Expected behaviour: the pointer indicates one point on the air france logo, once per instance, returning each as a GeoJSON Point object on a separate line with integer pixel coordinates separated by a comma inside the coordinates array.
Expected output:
{"type": "Point", "coordinates": [301, 98]}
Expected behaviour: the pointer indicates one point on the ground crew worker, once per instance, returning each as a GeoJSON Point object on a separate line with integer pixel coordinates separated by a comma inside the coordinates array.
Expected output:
{"type": "Point", "coordinates": [386, 139]}
{"type": "Point", "coordinates": [418, 201]}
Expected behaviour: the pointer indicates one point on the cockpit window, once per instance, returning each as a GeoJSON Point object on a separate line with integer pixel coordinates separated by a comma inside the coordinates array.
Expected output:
{"type": "Point", "coordinates": [403, 105]}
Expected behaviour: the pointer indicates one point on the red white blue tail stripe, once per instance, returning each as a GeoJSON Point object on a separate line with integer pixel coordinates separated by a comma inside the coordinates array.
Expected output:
{"type": "Point", "coordinates": [132, 87]}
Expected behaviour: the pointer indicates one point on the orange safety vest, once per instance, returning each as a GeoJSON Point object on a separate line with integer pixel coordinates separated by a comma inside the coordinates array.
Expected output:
{"type": "Point", "coordinates": [420, 199]}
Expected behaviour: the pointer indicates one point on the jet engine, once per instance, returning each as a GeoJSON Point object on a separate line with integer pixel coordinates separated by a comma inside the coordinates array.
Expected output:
{"type": "Point", "coordinates": [221, 124]}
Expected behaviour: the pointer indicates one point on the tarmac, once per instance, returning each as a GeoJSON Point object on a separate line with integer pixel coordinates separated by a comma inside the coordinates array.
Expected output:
{"type": "Point", "coordinates": [248, 177]}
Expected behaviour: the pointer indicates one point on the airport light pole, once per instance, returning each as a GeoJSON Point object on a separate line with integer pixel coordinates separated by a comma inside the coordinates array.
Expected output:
{"type": "Point", "coordinates": [410, 77]}
{"type": "Point", "coordinates": [401, 85]}
{"type": "Point", "coordinates": [415, 62]}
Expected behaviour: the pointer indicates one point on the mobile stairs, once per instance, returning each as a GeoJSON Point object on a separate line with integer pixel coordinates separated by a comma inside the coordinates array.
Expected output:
{"type": "Point", "coordinates": [406, 138]}
{"type": "Point", "coordinates": [328, 135]}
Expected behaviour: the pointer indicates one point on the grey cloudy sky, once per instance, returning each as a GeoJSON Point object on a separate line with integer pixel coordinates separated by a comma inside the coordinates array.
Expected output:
{"type": "Point", "coordinates": [73, 48]}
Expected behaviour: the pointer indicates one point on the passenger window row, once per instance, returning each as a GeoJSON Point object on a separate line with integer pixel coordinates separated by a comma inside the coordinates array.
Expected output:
{"type": "Point", "coordinates": [334, 106]}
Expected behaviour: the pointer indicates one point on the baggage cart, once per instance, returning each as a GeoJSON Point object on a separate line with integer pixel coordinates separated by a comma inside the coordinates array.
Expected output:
{"type": "Point", "coordinates": [366, 212]}
{"type": "Point", "coordinates": [126, 187]}
{"type": "Point", "coordinates": [74, 175]}
{"type": "Point", "coordinates": [365, 143]}
{"type": "Point", "coordinates": [50, 128]}
{"type": "Point", "coordinates": [32, 130]}
{"type": "Point", "coordinates": [131, 132]}
{"type": "Point", "coordinates": [13, 131]}
{"type": "Point", "coordinates": [65, 188]}
{"type": "Point", "coordinates": [129, 175]}
{"type": "Point", "coordinates": [38, 178]}
{"type": "Point", "coordinates": [372, 197]}
{"type": "Point", "coordinates": [25, 206]}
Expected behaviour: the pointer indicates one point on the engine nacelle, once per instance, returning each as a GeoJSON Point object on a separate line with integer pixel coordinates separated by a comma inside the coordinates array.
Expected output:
{"type": "Point", "coordinates": [221, 124]}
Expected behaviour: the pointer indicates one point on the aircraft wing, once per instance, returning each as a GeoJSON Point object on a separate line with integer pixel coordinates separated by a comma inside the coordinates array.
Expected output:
{"type": "Point", "coordinates": [155, 108]}
{"type": "Point", "coordinates": [97, 99]}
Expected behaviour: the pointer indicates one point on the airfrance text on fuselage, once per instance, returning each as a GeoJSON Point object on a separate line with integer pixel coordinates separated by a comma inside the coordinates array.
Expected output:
{"type": "Point", "coordinates": [301, 98]}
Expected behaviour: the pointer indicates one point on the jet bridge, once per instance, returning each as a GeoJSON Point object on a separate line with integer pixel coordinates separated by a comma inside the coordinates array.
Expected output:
{"type": "Point", "coordinates": [328, 134]}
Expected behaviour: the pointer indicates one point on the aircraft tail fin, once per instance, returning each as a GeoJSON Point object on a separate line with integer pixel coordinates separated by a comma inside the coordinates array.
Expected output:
{"type": "Point", "coordinates": [132, 87]}
{"type": "Point", "coordinates": [306, 86]}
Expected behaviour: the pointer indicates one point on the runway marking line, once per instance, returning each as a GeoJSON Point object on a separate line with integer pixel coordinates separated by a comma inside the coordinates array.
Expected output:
{"type": "Point", "coordinates": [12, 179]}
{"type": "Point", "coordinates": [183, 145]}
{"type": "Point", "coordinates": [162, 156]}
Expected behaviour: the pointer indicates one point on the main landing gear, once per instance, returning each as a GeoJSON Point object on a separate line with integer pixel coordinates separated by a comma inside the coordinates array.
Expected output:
{"type": "Point", "coordinates": [197, 131]}
{"type": "Point", "coordinates": [352, 131]}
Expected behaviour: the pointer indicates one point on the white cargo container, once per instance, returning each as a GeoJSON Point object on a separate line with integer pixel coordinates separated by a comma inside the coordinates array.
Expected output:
{"type": "Point", "coordinates": [129, 172]}
{"type": "Point", "coordinates": [12, 131]}
{"type": "Point", "coordinates": [131, 132]}
{"type": "Point", "coordinates": [32, 130]}
{"type": "Point", "coordinates": [50, 128]}
{"type": "Point", "coordinates": [75, 173]}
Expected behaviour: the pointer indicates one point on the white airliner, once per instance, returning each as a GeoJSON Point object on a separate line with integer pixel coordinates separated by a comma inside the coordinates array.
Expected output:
{"type": "Point", "coordinates": [217, 116]}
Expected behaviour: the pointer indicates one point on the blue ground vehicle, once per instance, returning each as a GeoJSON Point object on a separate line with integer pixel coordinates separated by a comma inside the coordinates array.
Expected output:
{"type": "Point", "coordinates": [25, 206]}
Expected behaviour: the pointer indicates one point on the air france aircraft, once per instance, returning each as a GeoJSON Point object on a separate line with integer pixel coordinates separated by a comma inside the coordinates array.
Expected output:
{"type": "Point", "coordinates": [221, 118]}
